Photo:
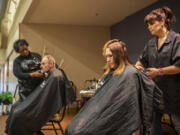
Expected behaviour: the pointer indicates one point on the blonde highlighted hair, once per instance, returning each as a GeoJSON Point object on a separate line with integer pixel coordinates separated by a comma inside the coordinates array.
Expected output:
{"type": "Point", "coordinates": [119, 52]}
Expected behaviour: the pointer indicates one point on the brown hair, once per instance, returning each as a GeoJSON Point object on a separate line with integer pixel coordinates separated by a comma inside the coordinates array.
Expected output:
{"type": "Point", "coordinates": [119, 52]}
{"type": "Point", "coordinates": [159, 14]}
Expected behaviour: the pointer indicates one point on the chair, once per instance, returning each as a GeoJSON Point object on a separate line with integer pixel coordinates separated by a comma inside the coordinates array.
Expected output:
{"type": "Point", "coordinates": [78, 101]}
{"type": "Point", "coordinates": [57, 119]}
{"type": "Point", "coordinates": [15, 92]}
{"type": "Point", "coordinates": [168, 126]}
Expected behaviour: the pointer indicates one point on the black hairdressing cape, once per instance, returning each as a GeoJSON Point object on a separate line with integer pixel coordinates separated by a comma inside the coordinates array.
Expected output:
{"type": "Point", "coordinates": [120, 106]}
{"type": "Point", "coordinates": [29, 116]}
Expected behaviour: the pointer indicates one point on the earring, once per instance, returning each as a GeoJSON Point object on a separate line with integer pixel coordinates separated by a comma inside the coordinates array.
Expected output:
{"type": "Point", "coordinates": [162, 26]}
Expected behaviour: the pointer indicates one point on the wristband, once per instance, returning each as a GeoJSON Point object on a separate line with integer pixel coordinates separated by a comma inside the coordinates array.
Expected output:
{"type": "Point", "coordinates": [161, 72]}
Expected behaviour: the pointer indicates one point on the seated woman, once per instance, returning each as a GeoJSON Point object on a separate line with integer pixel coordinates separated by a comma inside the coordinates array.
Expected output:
{"type": "Point", "coordinates": [124, 99]}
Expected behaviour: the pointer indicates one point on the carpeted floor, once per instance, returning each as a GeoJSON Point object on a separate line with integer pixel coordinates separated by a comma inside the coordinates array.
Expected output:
{"type": "Point", "coordinates": [67, 119]}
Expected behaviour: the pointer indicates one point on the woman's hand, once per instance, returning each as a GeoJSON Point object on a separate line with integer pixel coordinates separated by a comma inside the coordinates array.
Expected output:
{"type": "Point", "coordinates": [152, 72]}
{"type": "Point", "coordinates": [140, 68]}
{"type": "Point", "coordinates": [37, 74]}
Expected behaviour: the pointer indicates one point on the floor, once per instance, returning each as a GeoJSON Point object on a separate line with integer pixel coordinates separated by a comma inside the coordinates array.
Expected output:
{"type": "Point", "coordinates": [67, 119]}
{"type": "Point", "coordinates": [71, 112]}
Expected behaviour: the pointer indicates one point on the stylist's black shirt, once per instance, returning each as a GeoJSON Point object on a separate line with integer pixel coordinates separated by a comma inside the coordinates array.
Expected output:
{"type": "Point", "coordinates": [167, 55]}
{"type": "Point", "coordinates": [22, 67]}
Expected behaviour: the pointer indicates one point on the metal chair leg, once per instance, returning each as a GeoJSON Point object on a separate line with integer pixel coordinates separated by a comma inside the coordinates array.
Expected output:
{"type": "Point", "coordinates": [60, 127]}
{"type": "Point", "coordinates": [172, 123]}
{"type": "Point", "coordinates": [54, 128]}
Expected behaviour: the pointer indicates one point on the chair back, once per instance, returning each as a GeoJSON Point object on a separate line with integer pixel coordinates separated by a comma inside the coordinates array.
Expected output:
{"type": "Point", "coordinates": [62, 113]}
{"type": "Point", "coordinates": [59, 116]}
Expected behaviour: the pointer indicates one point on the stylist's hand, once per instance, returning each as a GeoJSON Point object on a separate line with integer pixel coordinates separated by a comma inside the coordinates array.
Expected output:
{"type": "Point", "coordinates": [37, 74]}
{"type": "Point", "coordinates": [140, 68]}
{"type": "Point", "coordinates": [152, 72]}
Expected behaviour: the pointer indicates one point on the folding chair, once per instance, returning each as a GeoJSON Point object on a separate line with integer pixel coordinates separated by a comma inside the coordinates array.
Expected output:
{"type": "Point", "coordinates": [15, 93]}
{"type": "Point", "coordinates": [57, 119]}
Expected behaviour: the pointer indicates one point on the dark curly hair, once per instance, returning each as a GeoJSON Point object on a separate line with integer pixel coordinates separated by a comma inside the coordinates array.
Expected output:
{"type": "Point", "coordinates": [159, 14]}
{"type": "Point", "coordinates": [18, 43]}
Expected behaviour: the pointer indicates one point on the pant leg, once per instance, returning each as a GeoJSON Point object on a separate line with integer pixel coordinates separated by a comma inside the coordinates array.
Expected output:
{"type": "Point", "coordinates": [177, 123]}
{"type": "Point", "coordinates": [156, 128]}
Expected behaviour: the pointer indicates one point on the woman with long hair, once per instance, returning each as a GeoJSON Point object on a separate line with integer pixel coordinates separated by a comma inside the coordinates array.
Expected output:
{"type": "Point", "coordinates": [116, 56]}
{"type": "Point", "coordinates": [123, 100]}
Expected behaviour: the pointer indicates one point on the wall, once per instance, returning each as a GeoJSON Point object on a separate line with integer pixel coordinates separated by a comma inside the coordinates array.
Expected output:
{"type": "Point", "coordinates": [2, 56]}
{"type": "Point", "coordinates": [78, 48]}
{"type": "Point", "coordinates": [132, 30]}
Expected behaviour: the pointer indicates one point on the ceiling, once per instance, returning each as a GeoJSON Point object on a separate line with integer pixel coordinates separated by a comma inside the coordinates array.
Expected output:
{"type": "Point", "coordinates": [83, 12]}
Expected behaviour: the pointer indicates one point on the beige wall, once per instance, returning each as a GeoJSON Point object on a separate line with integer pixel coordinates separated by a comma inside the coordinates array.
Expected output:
{"type": "Point", "coordinates": [2, 56]}
{"type": "Point", "coordinates": [80, 47]}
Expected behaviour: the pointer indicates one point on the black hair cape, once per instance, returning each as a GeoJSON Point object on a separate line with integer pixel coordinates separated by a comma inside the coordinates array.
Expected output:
{"type": "Point", "coordinates": [123, 104]}
{"type": "Point", "coordinates": [48, 98]}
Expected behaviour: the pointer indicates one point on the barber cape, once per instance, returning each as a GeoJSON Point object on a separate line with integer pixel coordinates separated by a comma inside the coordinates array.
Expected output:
{"type": "Point", "coordinates": [48, 98]}
{"type": "Point", "coordinates": [121, 105]}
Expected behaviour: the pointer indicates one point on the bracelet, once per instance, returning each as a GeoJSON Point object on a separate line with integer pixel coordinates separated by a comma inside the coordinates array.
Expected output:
{"type": "Point", "coordinates": [161, 72]}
